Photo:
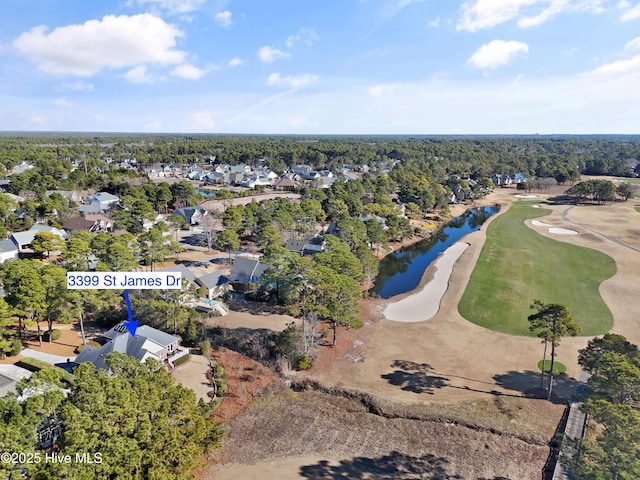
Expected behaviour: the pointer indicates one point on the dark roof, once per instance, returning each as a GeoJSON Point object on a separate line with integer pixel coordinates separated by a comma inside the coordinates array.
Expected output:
{"type": "Point", "coordinates": [188, 212]}
{"type": "Point", "coordinates": [213, 279]}
{"type": "Point", "coordinates": [296, 246]}
{"type": "Point", "coordinates": [186, 273]}
{"type": "Point", "coordinates": [246, 269]}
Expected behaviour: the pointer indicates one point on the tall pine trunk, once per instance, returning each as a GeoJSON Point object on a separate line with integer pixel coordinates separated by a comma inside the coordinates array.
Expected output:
{"type": "Point", "coordinates": [335, 333]}
{"type": "Point", "coordinates": [544, 359]}
{"type": "Point", "coordinates": [553, 364]}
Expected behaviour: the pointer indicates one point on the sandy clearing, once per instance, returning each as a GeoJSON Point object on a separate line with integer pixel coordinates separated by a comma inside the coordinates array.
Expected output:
{"type": "Point", "coordinates": [193, 375]}
{"type": "Point", "coordinates": [526, 196]}
{"type": "Point", "coordinates": [248, 320]}
{"type": "Point", "coordinates": [425, 304]}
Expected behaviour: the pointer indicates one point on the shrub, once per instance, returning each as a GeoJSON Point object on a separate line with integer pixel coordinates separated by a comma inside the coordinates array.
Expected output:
{"type": "Point", "coordinates": [93, 343]}
{"type": "Point", "coordinates": [15, 348]}
{"type": "Point", "coordinates": [35, 365]}
{"type": "Point", "coordinates": [55, 335]}
{"type": "Point", "coordinates": [305, 362]}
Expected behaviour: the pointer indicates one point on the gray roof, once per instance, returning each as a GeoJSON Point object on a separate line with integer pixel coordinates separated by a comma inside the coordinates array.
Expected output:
{"type": "Point", "coordinates": [188, 212]}
{"type": "Point", "coordinates": [7, 246]}
{"type": "Point", "coordinates": [186, 273]}
{"type": "Point", "coordinates": [146, 331]}
{"type": "Point", "coordinates": [93, 207]}
{"type": "Point", "coordinates": [213, 279]}
{"type": "Point", "coordinates": [246, 269]}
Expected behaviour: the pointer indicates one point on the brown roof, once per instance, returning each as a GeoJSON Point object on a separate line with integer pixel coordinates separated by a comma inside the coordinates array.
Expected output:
{"type": "Point", "coordinates": [95, 217]}
{"type": "Point", "coordinates": [284, 182]}
{"type": "Point", "coordinates": [78, 223]}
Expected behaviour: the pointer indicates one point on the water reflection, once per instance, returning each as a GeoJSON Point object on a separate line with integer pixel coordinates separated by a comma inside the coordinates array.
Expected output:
{"type": "Point", "coordinates": [401, 271]}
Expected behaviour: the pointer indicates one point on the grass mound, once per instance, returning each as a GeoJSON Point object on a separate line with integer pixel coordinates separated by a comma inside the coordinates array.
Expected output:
{"type": "Point", "coordinates": [558, 367]}
{"type": "Point", "coordinates": [517, 266]}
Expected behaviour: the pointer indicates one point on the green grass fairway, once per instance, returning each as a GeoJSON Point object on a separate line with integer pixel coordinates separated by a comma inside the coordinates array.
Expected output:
{"type": "Point", "coordinates": [637, 209]}
{"type": "Point", "coordinates": [518, 265]}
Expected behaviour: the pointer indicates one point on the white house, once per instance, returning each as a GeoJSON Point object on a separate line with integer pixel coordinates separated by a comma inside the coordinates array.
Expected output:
{"type": "Point", "coordinates": [22, 240]}
{"type": "Point", "coordinates": [147, 343]}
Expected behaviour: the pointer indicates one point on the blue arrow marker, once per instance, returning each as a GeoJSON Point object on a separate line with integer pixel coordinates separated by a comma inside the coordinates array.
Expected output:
{"type": "Point", "coordinates": [132, 325]}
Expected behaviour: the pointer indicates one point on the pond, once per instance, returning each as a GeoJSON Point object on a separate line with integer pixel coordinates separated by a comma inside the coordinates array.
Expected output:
{"type": "Point", "coordinates": [206, 193]}
{"type": "Point", "coordinates": [402, 270]}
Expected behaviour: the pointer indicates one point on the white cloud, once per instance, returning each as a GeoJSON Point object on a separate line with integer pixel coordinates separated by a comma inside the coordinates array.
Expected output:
{"type": "Point", "coordinates": [269, 54]}
{"type": "Point", "coordinates": [173, 6]}
{"type": "Point", "coordinates": [80, 86]}
{"type": "Point", "coordinates": [236, 62]}
{"type": "Point", "coordinates": [224, 18]}
{"type": "Point", "coordinates": [188, 72]}
{"type": "Point", "coordinates": [496, 53]}
{"type": "Point", "coordinates": [380, 90]}
{"type": "Point", "coordinates": [619, 68]}
{"type": "Point", "coordinates": [63, 102]}
{"type": "Point", "coordinates": [113, 42]}
{"type": "Point", "coordinates": [633, 44]}
{"type": "Point", "coordinates": [202, 121]}
{"type": "Point", "coordinates": [296, 81]}
{"type": "Point", "coordinates": [139, 74]}
{"type": "Point", "coordinates": [554, 8]}
{"type": "Point", "coordinates": [631, 13]}
{"type": "Point", "coordinates": [480, 14]}
{"type": "Point", "coordinates": [305, 35]}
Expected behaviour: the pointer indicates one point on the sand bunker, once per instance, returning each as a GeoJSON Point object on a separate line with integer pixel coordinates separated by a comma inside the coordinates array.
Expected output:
{"type": "Point", "coordinates": [562, 231]}
{"type": "Point", "coordinates": [424, 304]}
{"type": "Point", "coordinates": [527, 196]}
{"type": "Point", "coordinates": [536, 206]}
{"type": "Point", "coordinates": [538, 223]}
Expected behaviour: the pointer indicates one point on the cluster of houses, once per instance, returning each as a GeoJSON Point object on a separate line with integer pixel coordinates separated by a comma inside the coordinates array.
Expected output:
{"type": "Point", "coordinates": [246, 176]}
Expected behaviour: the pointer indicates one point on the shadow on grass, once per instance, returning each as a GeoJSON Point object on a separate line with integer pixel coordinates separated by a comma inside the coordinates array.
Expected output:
{"type": "Point", "coordinates": [388, 467]}
{"type": "Point", "coordinates": [414, 377]}
{"type": "Point", "coordinates": [528, 383]}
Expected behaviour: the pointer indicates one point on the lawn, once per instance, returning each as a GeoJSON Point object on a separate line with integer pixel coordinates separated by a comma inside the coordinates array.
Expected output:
{"type": "Point", "coordinates": [518, 265]}
{"type": "Point", "coordinates": [633, 181]}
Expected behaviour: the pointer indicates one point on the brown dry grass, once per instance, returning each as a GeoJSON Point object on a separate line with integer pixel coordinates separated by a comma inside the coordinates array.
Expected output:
{"type": "Point", "coordinates": [306, 425]}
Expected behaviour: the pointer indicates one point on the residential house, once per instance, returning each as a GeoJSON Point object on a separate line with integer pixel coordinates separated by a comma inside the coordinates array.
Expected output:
{"type": "Point", "coordinates": [22, 240]}
{"type": "Point", "coordinates": [307, 246]}
{"type": "Point", "coordinates": [148, 342]}
{"type": "Point", "coordinates": [213, 285]}
{"type": "Point", "coordinates": [154, 172]}
{"type": "Point", "coordinates": [256, 180]}
{"type": "Point", "coordinates": [240, 168]}
{"type": "Point", "coordinates": [192, 215]}
{"type": "Point", "coordinates": [21, 168]}
{"type": "Point", "coordinates": [285, 184]}
{"type": "Point", "coordinates": [94, 223]}
{"type": "Point", "coordinates": [8, 250]}
{"type": "Point", "coordinates": [71, 195]}
{"type": "Point", "coordinates": [500, 180]}
{"type": "Point", "coordinates": [100, 202]}
{"type": "Point", "coordinates": [246, 274]}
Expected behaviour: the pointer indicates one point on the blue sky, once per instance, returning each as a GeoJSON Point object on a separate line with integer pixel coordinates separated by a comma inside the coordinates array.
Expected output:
{"type": "Point", "coordinates": [321, 66]}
